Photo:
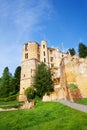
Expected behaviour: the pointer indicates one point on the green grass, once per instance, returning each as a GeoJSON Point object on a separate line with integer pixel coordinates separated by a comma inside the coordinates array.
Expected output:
{"type": "Point", "coordinates": [83, 101]}
{"type": "Point", "coordinates": [10, 104]}
{"type": "Point", "coordinates": [45, 116]}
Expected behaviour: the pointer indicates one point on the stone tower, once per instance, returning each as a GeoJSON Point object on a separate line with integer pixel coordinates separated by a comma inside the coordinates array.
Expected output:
{"type": "Point", "coordinates": [44, 52]}
{"type": "Point", "coordinates": [30, 60]}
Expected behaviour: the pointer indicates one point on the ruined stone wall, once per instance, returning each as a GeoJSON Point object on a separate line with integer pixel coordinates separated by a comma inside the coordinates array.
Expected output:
{"type": "Point", "coordinates": [56, 95]}
{"type": "Point", "coordinates": [76, 72]}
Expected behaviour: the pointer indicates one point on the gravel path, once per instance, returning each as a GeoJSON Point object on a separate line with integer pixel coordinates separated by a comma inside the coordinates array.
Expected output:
{"type": "Point", "coordinates": [80, 107]}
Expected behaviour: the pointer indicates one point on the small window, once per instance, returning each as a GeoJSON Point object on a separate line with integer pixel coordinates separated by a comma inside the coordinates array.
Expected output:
{"type": "Point", "coordinates": [43, 46]}
{"type": "Point", "coordinates": [44, 59]}
{"type": "Point", "coordinates": [50, 51]}
{"type": "Point", "coordinates": [26, 47]}
{"type": "Point", "coordinates": [51, 59]}
{"type": "Point", "coordinates": [26, 56]}
{"type": "Point", "coordinates": [52, 65]}
{"type": "Point", "coordinates": [44, 53]}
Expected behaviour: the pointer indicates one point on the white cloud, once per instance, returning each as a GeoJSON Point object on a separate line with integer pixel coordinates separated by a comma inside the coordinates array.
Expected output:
{"type": "Point", "coordinates": [28, 18]}
{"type": "Point", "coordinates": [17, 18]}
{"type": "Point", "coordinates": [25, 13]}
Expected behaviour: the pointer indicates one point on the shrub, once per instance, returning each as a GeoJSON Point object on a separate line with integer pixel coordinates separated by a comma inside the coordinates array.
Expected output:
{"type": "Point", "coordinates": [30, 93]}
{"type": "Point", "coordinates": [73, 86]}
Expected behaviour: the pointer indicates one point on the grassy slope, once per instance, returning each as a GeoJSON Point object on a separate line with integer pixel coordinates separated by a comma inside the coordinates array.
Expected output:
{"type": "Point", "coordinates": [45, 116]}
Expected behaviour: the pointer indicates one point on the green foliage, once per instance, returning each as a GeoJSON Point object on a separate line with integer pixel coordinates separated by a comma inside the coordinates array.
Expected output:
{"type": "Point", "coordinates": [82, 49]}
{"type": "Point", "coordinates": [73, 86]}
{"type": "Point", "coordinates": [16, 79]}
{"type": "Point", "coordinates": [30, 93]}
{"type": "Point", "coordinates": [9, 85]}
{"type": "Point", "coordinates": [43, 80]}
{"type": "Point", "coordinates": [45, 116]}
{"type": "Point", "coordinates": [82, 101]}
{"type": "Point", "coordinates": [0, 81]}
{"type": "Point", "coordinates": [72, 51]}
{"type": "Point", "coordinates": [37, 99]}
{"type": "Point", "coordinates": [5, 85]}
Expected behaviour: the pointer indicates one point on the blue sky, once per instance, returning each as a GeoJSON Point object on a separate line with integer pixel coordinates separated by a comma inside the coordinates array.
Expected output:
{"type": "Point", "coordinates": [57, 21]}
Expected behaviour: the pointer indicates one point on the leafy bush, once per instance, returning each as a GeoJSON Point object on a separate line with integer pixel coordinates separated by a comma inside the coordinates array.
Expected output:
{"type": "Point", "coordinates": [37, 99]}
{"type": "Point", "coordinates": [73, 86]}
{"type": "Point", "coordinates": [30, 93]}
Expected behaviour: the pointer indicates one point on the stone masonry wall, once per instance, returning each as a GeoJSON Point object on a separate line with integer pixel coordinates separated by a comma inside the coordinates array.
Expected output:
{"type": "Point", "coordinates": [76, 72]}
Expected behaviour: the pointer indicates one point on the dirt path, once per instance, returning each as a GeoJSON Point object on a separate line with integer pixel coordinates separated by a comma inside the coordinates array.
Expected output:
{"type": "Point", "coordinates": [10, 109]}
{"type": "Point", "coordinates": [80, 107]}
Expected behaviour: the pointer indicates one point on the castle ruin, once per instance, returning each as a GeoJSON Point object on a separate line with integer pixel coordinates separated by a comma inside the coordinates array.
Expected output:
{"type": "Point", "coordinates": [66, 69]}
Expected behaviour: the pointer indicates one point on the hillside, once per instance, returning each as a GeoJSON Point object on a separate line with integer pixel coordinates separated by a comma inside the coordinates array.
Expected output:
{"type": "Point", "coordinates": [45, 116]}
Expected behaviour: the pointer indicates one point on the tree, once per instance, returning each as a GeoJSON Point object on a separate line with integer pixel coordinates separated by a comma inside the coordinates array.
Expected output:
{"type": "Point", "coordinates": [82, 49]}
{"type": "Point", "coordinates": [72, 51]}
{"type": "Point", "coordinates": [0, 81]}
{"type": "Point", "coordinates": [10, 85]}
{"type": "Point", "coordinates": [16, 79]}
{"type": "Point", "coordinates": [30, 93]}
{"type": "Point", "coordinates": [5, 85]}
{"type": "Point", "coordinates": [43, 80]}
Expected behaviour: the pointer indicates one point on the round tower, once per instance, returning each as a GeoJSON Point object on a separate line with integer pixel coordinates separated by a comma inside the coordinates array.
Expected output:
{"type": "Point", "coordinates": [30, 60]}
